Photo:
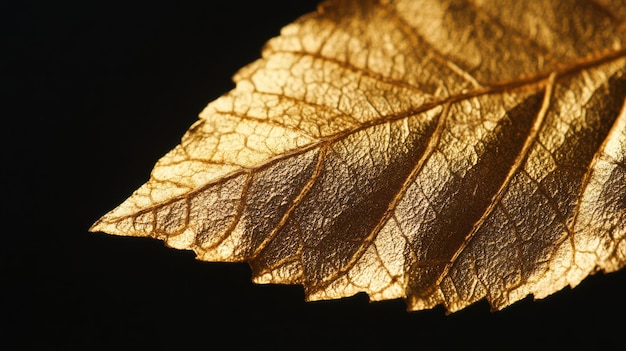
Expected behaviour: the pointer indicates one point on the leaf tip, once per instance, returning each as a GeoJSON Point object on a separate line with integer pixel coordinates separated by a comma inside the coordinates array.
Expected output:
{"type": "Point", "coordinates": [100, 227]}
{"type": "Point", "coordinates": [106, 225]}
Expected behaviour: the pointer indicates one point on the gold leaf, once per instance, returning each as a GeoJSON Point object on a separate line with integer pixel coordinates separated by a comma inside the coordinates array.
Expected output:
{"type": "Point", "coordinates": [436, 151]}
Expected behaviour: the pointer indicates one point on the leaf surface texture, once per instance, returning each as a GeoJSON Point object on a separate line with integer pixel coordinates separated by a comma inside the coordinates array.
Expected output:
{"type": "Point", "coordinates": [436, 151]}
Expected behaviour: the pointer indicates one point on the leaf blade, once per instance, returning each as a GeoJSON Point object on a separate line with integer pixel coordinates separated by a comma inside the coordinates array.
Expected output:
{"type": "Point", "coordinates": [340, 137]}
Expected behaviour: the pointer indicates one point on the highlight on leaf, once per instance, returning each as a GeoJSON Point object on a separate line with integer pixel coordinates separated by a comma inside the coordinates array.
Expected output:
{"type": "Point", "coordinates": [436, 151]}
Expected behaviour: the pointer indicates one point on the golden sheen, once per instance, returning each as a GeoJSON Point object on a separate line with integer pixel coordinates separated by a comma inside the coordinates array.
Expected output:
{"type": "Point", "coordinates": [410, 149]}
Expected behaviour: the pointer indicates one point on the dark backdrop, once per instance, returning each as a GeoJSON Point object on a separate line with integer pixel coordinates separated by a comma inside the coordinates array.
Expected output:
{"type": "Point", "coordinates": [94, 93]}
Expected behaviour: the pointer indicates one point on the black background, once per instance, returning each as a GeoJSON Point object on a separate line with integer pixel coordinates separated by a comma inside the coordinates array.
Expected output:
{"type": "Point", "coordinates": [94, 93]}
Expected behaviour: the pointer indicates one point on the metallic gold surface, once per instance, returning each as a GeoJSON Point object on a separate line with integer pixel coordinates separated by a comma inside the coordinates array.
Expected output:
{"type": "Point", "coordinates": [436, 151]}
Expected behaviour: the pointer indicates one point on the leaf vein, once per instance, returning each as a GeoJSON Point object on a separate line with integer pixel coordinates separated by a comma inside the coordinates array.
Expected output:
{"type": "Point", "coordinates": [433, 141]}
{"type": "Point", "coordinates": [519, 162]}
